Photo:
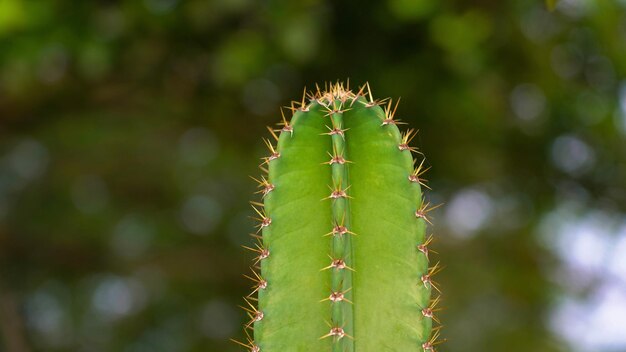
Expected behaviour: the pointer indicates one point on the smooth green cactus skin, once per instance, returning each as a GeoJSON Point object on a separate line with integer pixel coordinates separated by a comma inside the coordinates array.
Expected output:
{"type": "Point", "coordinates": [341, 243]}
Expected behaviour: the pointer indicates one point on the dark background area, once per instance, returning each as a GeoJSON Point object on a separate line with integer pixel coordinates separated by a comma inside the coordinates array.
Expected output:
{"type": "Point", "coordinates": [128, 130]}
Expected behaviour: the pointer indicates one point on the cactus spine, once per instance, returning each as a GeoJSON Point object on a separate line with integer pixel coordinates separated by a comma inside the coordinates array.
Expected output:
{"type": "Point", "coordinates": [341, 243]}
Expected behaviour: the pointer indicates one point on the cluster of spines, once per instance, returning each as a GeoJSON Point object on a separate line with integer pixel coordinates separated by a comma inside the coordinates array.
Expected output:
{"type": "Point", "coordinates": [335, 98]}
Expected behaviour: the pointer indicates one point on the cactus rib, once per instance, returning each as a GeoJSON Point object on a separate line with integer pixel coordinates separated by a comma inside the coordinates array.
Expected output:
{"type": "Point", "coordinates": [341, 280]}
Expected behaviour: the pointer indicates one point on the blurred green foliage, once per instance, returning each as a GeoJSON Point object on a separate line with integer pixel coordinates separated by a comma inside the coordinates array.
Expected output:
{"type": "Point", "coordinates": [128, 130]}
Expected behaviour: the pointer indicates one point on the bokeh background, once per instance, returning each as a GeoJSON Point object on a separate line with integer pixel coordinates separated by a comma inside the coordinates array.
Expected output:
{"type": "Point", "coordinates": [128, 130]}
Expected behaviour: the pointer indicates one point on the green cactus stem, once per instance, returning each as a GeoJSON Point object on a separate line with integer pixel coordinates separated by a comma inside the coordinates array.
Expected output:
{"type": "Point", "coordinates": [340, 242]}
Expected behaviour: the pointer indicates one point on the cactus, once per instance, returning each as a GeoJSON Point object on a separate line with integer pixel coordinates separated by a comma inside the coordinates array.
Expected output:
{"type": "Point", "coordinates": [340, 240]}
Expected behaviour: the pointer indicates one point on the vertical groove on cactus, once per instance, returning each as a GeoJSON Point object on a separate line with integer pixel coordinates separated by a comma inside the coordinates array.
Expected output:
{"type": "Point", "coordinates": [341, 246]}
{"type": "Point", "coordinates": [341, 279]}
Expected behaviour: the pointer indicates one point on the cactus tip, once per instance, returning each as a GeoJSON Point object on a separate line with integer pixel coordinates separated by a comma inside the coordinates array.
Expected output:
{"type": "Point", "coordinates": [337, 102]}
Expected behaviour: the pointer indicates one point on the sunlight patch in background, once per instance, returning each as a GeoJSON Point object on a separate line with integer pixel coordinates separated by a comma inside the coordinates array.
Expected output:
{"type": "Point", "coordinates": [572, 155]}
{"type": "Point", "coordinates": [468, 211]}
{"type": "Point", "coordinates": [591, 244]}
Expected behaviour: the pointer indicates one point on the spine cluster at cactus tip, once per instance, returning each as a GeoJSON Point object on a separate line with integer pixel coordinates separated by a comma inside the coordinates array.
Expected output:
{"type": "Point", "coordinates": [341, 261]}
